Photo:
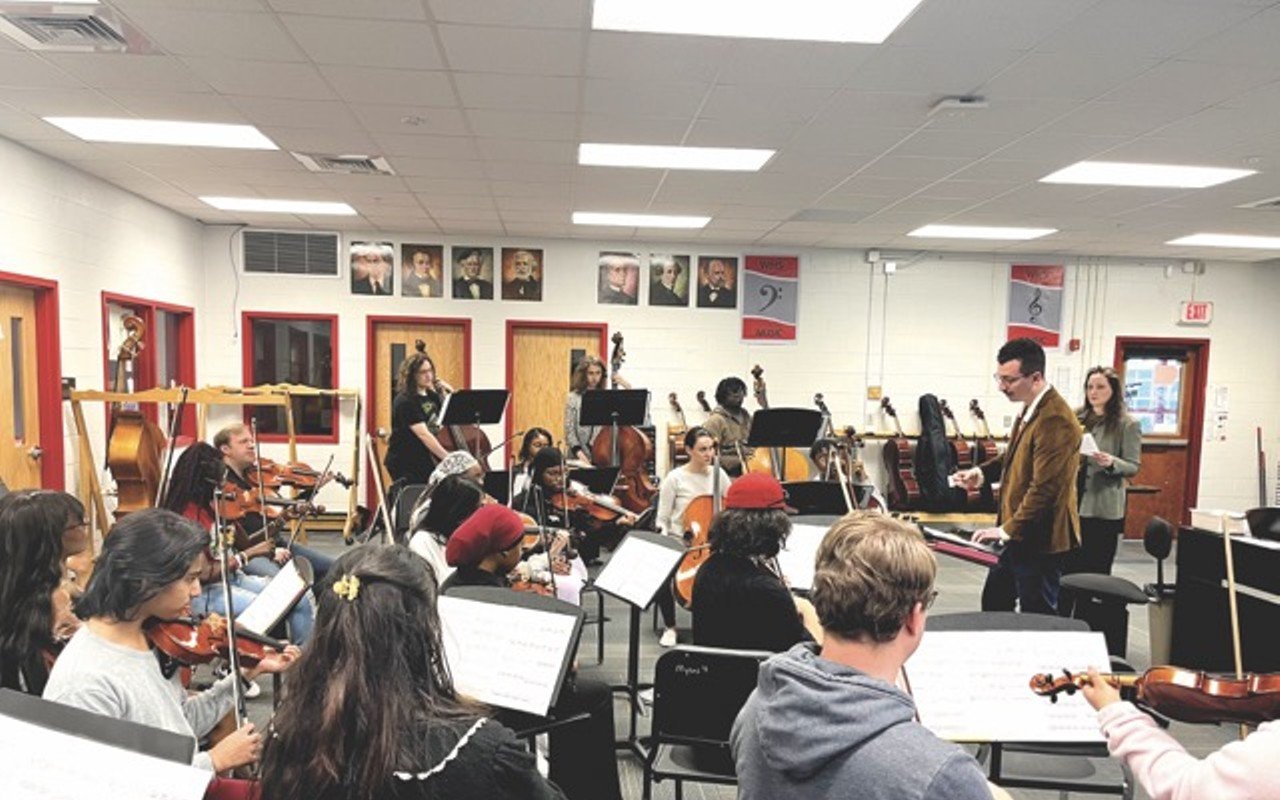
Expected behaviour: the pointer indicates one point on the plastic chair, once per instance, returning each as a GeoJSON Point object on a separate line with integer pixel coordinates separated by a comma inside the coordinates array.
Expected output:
{"type": "Point", "coordinates": [1068, 764]}
{"type": "Point", "coordinates": [697, 694]}
{"type": "Point", "coordinates": [405, 500]}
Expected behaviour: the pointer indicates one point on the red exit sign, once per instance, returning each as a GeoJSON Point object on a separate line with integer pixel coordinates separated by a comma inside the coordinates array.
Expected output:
{"type": "Point", "coordinates": [1195, 312]}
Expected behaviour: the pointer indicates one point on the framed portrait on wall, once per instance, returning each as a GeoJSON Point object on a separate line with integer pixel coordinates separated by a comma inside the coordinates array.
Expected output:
{"type": "Point", "coordinates": [372, 268]}
{"type": "Point", "coordinates": [717, 281]}
{"type": "Point", "coordinates": [619, 279]}
{"type": "Point", "coordinates": [422, 270]}
{"type": "Point", "coordinates": [668, 280]}
{"type": "Point", "coordinates": [521, 273]}
{"type": "Point", "coordinates": [472, 273]}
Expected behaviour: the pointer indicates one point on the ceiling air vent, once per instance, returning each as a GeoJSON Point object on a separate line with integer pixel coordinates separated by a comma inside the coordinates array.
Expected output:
{"type": "Point", "coordinates": [1270, 204]}
{"type": "Point", "coordinates": [345, 165]}
{"type": "Point", "coordinates": [75, 30]}
{"type": "Point", "coordinates": [290, 253]}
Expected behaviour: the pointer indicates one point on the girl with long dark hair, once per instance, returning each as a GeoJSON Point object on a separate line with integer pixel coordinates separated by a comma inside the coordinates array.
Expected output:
{"type": "Point", "coordinates": [370, 711]}
{"type": "Point", "coordinates": [454, 498]}
{"type": "Point", "coordinates": [1119, 455]}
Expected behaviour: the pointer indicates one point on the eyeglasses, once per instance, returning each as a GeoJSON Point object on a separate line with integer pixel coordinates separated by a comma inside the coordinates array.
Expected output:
{"type": "Point", "coordinates": [1006, 381]}
{"type": "Point", "coordinates": [927, 602]}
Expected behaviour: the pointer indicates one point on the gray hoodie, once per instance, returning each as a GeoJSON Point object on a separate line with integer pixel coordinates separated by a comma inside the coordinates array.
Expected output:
{"type": "Point", "coordinates": [817, 729]}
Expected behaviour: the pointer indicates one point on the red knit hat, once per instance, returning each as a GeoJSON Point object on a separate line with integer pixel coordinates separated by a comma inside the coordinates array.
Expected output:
{"type": "Point", "coordinates": [757, 490]}
{"type": "Point", "coordinates": [491, 529]}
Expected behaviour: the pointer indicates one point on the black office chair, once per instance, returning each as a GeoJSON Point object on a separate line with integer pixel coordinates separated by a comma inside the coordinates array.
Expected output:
{"type": "Point", "coordinates": [1103, 602]}
{"type": "Point", "coordinates": [401, 512]}
{"type": "Point", "coordinates": [697, 694]}
{"type": "Point", "coordinates": [1070, 765]}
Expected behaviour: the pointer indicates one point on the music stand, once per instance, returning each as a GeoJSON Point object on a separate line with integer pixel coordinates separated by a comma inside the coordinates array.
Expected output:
{"type": "Point", "coordinates": [614, 408]}
{"type": "Point", "coordinates": [134, 736]}
{"type": "Point", "coordinates": [497, 484]}
{"type": "Point", "coordinates": [599, 480]}
{"type": "Point", "coordinates": [784, 427]}
{"type": "Point", "coordinates": [825, 497]}
{"type": "Point", "coordinates": [474, 407]}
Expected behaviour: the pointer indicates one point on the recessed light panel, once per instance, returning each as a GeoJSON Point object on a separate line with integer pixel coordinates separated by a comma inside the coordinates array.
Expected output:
{"type": "Point", "coordinates": [1116, 173]}
{"type": "Point", "coordinates": [1229, 240]}
{"type": "Point", "coordinates": [169, 132]}
{"type": "Point", "coordinates": [980, 232]}
{"type": "Point", "coordinates": [639, 220]}
{"type": "Point", "coordinates": [868, 21]}
{"type": "Point", "coordinates": [657, 157]}
{"type": "Point", "coordinates": [279, 206]}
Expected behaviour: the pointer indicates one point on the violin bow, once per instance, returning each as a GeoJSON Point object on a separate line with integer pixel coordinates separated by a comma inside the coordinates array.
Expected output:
{"type": "Point", "coordinates": [1234, 608]}
{"type": "Point", "coordinates": [162, 490]}
{"type": "Point", "coordinates": [222, 544]}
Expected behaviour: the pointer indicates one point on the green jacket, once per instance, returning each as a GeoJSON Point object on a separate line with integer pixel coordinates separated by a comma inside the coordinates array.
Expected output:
{"type": "Point", "coordinates": [1104, 487]}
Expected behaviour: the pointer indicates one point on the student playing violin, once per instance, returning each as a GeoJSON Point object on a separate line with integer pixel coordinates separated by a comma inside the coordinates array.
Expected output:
{"type": "Point", "coordinates": [149, 569]}
{"type": "Point", "coordinates": [522, 471]}
{"type": "Point", "coordinates": [452, 500]}
{"type": "Point", "coordinates": [545, 502]}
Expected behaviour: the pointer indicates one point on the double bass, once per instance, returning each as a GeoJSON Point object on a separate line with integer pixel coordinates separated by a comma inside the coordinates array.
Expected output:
{"type": "Point", "coordinates": [135, 447]}
{"type": "Point", "coordinates": [633, 452]}
{"type": "Point", "coordinates": [899, 462]}
{"type": "Point", "coordinates": [795, 464]}
{"type": "Point", "coordinates": [676, 432]}
{"type": "Point", "coordinates": [459, 437]}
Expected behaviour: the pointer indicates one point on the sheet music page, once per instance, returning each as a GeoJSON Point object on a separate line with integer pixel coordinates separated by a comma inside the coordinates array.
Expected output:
{"type": "Point", "coordinates": [637, 570]}
{"type": "Point", "coordinates": [973, 686]}
{"type": "Point", "coordinates": [505, 656]}
{"type": "Point", "coordinates": [796, 559]}
{"type": "Point", "coordinates": [42, 764]}
{"type": "Point", "coordinates": [1088, 445]}
{"type": "Point", "coordinates": [274, 601]}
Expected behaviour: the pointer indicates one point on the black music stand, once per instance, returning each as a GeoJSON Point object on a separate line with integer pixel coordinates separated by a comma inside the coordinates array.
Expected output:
{"type": "Point", "coordinates": [598, 480]}
{"type": "Point", "coordinates": [474, 407]}
{"type": "Point", "coordinates": [614, 408]}
{"type": "Point", "coordinates": [784, 427]}
{"type": "Point", "coordinates": [497, 484]}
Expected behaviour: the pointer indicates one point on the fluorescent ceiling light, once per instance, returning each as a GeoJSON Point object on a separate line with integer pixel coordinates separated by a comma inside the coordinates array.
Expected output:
{"type": "Point", "coordinates": [869, 21]}
{"type": "Point", "coordinates": [278, 206]}
{"type": "Point", "coordinates": [638, 220]}
{"type": "Point", "coordinates": [738, 159]}
{"type": "Point", "coordinates": [980, 232]}
{"type": "Point", "coordinates": [1116, 173]}
{"type": "Point", "coordinates": [158, 131]}
{"type": "Point", "coordinates": [1229, 240]}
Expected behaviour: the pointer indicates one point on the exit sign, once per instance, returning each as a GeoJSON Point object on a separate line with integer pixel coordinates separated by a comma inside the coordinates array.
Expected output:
{"type": "Point", "coordinates": [1195, 312]}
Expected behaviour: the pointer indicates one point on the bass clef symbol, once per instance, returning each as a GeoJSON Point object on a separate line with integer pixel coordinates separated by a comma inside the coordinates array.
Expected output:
{"type": "Point", "coordinates": [771, 292]}
{"type": "Point", "coordinates": [1035, 308]}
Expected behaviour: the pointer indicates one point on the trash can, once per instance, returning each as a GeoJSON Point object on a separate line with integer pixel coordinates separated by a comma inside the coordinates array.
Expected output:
{"type": "Point", "coordinates": [1160, 622]}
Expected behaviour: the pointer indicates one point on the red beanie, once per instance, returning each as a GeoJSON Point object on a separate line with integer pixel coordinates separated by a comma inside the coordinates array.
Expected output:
{"type": "Point", "coordinates": [757, 490]}
{"type": "Point", "coordinates": [491, 529]}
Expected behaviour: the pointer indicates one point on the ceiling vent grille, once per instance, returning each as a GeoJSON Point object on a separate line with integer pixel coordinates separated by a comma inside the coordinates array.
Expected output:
{"type": "Point", "coordinates": [1270, 204]}
{"type": "Point", "coordinates": [47, 28]}
{"type": "Point", "coordinates": [345, 165]}
{"type": "Point", "coordinates": [290, 253]}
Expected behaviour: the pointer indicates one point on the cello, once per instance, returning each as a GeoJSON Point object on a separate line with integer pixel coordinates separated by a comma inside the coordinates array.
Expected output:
{"type": "Point", "coordinates": [899, 462]}
{"type": "Point", "coordinates": [632, 453]}
{"type": "Point", "coordinates": [795, 464]}
{"type": "Point", "coordinates": [458, 437]}
{"type": "Point", "coordinates": [676, 432]}
{"type": "Point", "coordinates": [696, 527]}
{"type": "Point", "coordinates": [963, 452]}
{"type": "Point", "coordinates": [135, 446]}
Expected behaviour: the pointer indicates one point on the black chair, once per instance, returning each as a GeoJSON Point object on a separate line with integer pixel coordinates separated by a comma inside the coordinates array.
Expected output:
{"type": "Point", "coordinates": [598, 620]}
{"type": "Point", "coordinates": [1068, 764]}
{"type": "Point", "coordinates": [1103, 602]}
{"type": "Point", "coordinates": [697, 694]}
{"type": "Point", "coordinates": [402, 510]}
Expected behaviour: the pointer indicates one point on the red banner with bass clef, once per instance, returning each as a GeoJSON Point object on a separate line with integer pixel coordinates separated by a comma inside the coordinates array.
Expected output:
{"type": "Point", "coordinates": [1035, 302]}
{"type": "Point", "coordinates": [770, 290]}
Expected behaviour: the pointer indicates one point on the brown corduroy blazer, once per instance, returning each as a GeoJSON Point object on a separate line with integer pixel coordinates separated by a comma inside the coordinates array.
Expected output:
{"type": "Point", "coordinates": [1037, 475]}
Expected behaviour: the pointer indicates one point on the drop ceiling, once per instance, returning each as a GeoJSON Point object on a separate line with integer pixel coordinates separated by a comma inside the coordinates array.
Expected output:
{"type": "Point", "coordinates": [478, 105]}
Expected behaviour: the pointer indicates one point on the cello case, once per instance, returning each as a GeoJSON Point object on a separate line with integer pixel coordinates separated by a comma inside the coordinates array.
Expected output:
{"type": "Point", "coordinates": [935, 460]}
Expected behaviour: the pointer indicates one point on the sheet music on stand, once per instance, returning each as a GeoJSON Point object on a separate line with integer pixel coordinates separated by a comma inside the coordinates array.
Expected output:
{"type": "Point", "coordinates": [509, 649]}
{"type": "Point", "coordinates": [56, 752]}
{"type": "Point", "coordinates": [796, 559]}
{"type": "Point", "coordinates": [277, 598]}
{"type": "Point", "coordinates": [640, 567]}
{"type": "Point", "coordinates": [995, 702]}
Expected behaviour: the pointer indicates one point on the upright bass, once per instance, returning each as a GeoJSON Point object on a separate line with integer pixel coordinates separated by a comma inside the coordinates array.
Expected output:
{"type": "Point", "coordinates": [459, 437]}
{"type": "Point", "coordinates": [135, 446]}
{"type": "Point", "coordinates": [633, 453]}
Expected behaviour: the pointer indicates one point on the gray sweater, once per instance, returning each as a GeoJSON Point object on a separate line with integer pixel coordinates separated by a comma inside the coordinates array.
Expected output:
{"type": "Point", "coordinates": [99, 676]}
{"type": "Point", "coordinates": [1104, 490]}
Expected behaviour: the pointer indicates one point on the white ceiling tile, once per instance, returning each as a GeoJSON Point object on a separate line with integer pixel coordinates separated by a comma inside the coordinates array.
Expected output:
{"type": "Point", "coordinates": [938, 70]}
{"type": "Point", "coordinates": [527, 150]}
{"type": "Point", "coordinates": [986, 23]}
{"type": "Point", "coordinates": [368, 43]}
{"type": "Point", "coordinates": [1066, 75]}
{"type": "Point", "coordinates": [65, 102]}
{"type": "Point", "coordinates": [517, 92]}
{"type": "Point", "coordinates": [334, 141]}
{"type": "Point", "coordinates": [1252, 41]}
{"type": "Point", "coordinates": [969, 190]}
{"type": "Point", "coordinates": [496, 123]}
{"type": "Point", "coordinates": [261, 78]}
{"type": "Point", "coordinates": [1144, 27]}
{"type": "Point", "coordinates": [660, 59]}
{"type": "Point", "coordinates": [1195, 85]}
{"type": "Point", "coordinates": [459, 205]}
{"type": "Point", "coordinates": [742, 103]}
{"type": "Point", "coordinates": [221, 34]}
{"type": "Point", "coordinates": [764, 62]}
{"type": "Point", "coordinates": [424, 170]}
{"type": "Point", "coordinates": [1114, 118]}
{"type": "Point", "coordinates": [394, 86]}
{"type": "Point", "coordinates": [515, 51]}
{"type": "Point", "coordinates": [25, 70]}
{"type": "Point", "coordinates": [831, 137]}
{"type": "Point", "coordinates": [506, 193]}
{"type": "Point", "coordinates": [275, 112]}
{"type": "Point", "coordinates": [189, 106]}
{"type": "Point", "coordinates": [961, 144]}
{"type": "Point", "coordinates": [1059, 149]}
{"type": "Point", "coordinates": [644, 98]}
{"type": "Point", "coordinates": [634, 129]}
{"type": "Point", "coordinates": [764, 132]}
{"type": "Point", "coordinates": [896, 166]}
{"type": "Point", "coordinates": [426, 146]}
{"type": "Point", "coordinates": [392, 119]}
{"type": "Point", "coordinates": [157, 73]}
{"type": "Point", "coordinates": [365, 9]}
{"type": "Point", "coordinates": [520, 13]}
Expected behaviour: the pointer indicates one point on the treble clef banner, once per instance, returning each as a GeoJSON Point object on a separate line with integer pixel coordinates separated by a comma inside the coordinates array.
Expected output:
{"type": "Point", "coordinates": [1035, 302]}
{"type": "Point", "coordinates": [770, 287]}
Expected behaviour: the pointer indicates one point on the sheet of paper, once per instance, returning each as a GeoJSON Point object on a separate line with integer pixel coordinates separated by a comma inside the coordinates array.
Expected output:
{"type": "Point", "coordinates": [1088, 445]}
{"type": "Point", "coordinates": [637, 570]}
{"type": "Point", "coordinates": [43, 764]}
{"type": "Point", "coordinates": [796, 559]}
{"type": "Point", "coordinates": [275, 600]}
{"type": "Point", "coordinates": [974, 686]}
{"type": "Point", "coordinates": [506, 656]}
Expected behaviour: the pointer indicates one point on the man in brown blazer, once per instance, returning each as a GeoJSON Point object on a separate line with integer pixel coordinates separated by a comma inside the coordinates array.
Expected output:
{"type": "Point", "coordinates": [1038, 521]}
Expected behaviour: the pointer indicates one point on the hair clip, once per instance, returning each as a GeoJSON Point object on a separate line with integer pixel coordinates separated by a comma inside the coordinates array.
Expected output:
{"type": "Point", "coordinates": [347, 588]}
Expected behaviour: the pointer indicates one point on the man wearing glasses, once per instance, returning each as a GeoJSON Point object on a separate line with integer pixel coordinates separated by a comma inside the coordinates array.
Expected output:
{"type": "Point", "coordinates": [1038, 520]}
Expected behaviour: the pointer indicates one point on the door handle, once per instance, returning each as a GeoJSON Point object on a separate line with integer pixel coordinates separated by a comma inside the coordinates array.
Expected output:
{"type": "Point", "coordinates": [35, 452]}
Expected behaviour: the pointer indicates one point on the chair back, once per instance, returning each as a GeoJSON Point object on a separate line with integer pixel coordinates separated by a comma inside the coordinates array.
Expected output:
{"type": "Point", "coordinates": [698, 692]}
{"type": "Point", "coordinates": [402, 511]}
{"type": "Point", "coordinates": [1157, 538]}
{"type": "Point", "coordinates": [1003, 621]}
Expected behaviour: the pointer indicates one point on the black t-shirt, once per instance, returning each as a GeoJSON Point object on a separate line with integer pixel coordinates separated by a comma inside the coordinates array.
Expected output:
{"type": "Point", "coordinates": [739, 604]}
{"type": "Point", "coordinates": [407, 456]}
{"type": "Point", "coordinates": [472, 576]}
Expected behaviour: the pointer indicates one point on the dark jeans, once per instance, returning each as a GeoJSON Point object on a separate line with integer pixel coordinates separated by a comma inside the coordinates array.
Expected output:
{"type": "Point", "coordinates": [1097, 552]}
{"type": "Point", "coordinates": [1024, 576]}
{"type": "Point", "coordinates": [667, 606]}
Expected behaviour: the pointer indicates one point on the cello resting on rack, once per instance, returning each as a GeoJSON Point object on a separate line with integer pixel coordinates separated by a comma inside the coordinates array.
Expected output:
{"type": "Point", "coordinates": [135, 446]}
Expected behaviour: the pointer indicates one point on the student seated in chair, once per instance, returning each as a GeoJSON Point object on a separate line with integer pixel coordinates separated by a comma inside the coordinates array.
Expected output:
{"type": "Point", "coordinates": [828, 721]}
{"type": "Point", "coordinates": [483, 550]}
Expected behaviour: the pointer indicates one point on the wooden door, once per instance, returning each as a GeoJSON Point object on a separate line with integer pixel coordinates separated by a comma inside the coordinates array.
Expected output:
{"type": "Point", "coordinates": [391, 340]}
{"type": "Point", "coordinates": [1164, 382]}
{"type": "Point", "coordinates": [19, 417]}
{"type": "Point", "coordinates": [540, 361]}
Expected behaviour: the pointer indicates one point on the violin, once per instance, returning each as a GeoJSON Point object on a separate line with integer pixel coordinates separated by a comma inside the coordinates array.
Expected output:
{"type": "Point", "coordinates": [601, 509]}
{"type": "Point", "coordinates": [1183, 694]}
{"type": "Point", "coordinates": [293, 473]}
{"type": "Point", "coordinates": [190, 642]}
{"type": "Point", "coordinates": [235, 504]}
{"type": "Point", "coordinates": [795, 464]}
